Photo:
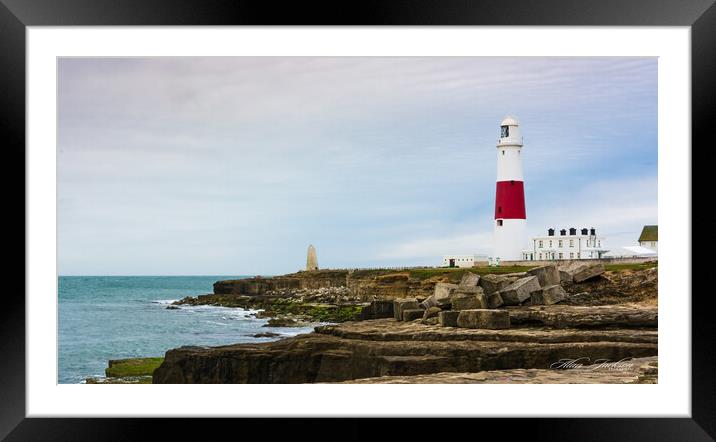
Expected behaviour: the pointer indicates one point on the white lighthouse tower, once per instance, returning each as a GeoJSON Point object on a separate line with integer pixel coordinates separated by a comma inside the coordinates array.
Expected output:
{"type": "Point", "coordinates": [510, 216]}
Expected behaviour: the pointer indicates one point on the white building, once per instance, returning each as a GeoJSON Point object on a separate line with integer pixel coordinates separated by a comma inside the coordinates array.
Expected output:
{"type": "Point", "coordinates": [649, 238]}
{"type": "Point", "coordinates": [566, 244]}
{"type": "Point", "coordinates": [462, 260]}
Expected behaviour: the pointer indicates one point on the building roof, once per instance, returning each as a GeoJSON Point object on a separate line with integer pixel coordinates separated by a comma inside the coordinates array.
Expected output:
{"type": "Point", "coordinates": [509, 121]}
{"type": "Point", "coordinates": [639, 250]}
{"type": "Point", "coordinates": [649, 233]}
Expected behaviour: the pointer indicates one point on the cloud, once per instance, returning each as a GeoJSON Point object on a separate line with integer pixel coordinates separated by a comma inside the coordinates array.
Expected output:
{"type": "Point", "coordinates": [234, 164]}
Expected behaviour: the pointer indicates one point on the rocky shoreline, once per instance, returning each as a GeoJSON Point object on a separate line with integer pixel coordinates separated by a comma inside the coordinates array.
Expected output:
{"type": "Point", "coordinates": [385, 347]}
{"type": "Point", "coordinates": [434, 326]}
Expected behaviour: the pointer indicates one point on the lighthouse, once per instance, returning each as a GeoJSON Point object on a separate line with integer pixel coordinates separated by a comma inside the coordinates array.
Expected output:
{"type": "Point", "coordinates": [510, 216]}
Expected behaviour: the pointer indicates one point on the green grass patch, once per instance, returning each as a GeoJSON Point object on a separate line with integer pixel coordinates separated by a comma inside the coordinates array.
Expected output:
{"type": "Point", "coordinates": [132, 367]}
{"type": "Point", "coordinates": [640, 266]}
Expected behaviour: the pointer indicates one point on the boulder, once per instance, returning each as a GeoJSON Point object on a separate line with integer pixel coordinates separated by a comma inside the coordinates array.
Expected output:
{"type": "Point", "coordinates": [565, 276]}
{"type": "Point", "coordinates": [448, 318]}
{"type": "Point", "coordinates": [493, 283]}
{"type": "Point", "coordinates": [548, 295]}
{"type": "Point", "coordinates": [469, 279]}
{"type": "Point", "coordinates": [546, 275]}
{"type": "Point", "coordinates": [377, 310]}
{"type": "Point", "coordinates": [484, 318]}
{"type": "Point", "coordinates": [587, 271]}
{"type": "Point", "coordinates": [469, 301]}
{"type": "Point", "coordinates": [413, 314]}
{"type": "Point", "coordinates": [431, 312]}
{"type": "Point", "coordinates": [428, 302]}
{"type": "Point", "coordinates": [467, 291]}
{"type": "Point", "coordinates": [494, 300]}
{"type": "Point", "coordinates": [399, 305]}
{"type": "Point", "coordinates": [442, 293]}
{"type": "Point", "coordinates": [519, 291]}
{"type": "Point", "coordinates": [430, 321]}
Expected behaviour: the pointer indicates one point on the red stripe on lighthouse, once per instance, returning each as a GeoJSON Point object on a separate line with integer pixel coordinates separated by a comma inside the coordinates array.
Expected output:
{"type": "Point", "coordinates": [510, 200]}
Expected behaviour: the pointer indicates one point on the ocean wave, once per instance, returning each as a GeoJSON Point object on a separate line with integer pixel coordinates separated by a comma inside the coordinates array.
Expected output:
{"type": "Point", "coordinates": [164, 301]}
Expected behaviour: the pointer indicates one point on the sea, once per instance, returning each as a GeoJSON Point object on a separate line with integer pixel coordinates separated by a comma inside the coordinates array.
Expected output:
{"type": "Point", "coordinates": [115, 317]}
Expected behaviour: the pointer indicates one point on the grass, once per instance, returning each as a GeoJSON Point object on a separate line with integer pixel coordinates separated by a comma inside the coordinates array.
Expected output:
{"type": "Point", "coordinates": [622, 267]}
{"type": "Point", "coordinates": [132, 367]}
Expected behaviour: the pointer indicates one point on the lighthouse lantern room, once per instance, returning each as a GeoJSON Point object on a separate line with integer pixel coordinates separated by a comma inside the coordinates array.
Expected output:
{"type": "Point", "coordinates": [510, 216]}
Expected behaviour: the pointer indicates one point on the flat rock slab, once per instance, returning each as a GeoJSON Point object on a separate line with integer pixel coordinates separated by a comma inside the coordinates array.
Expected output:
{"type": "Point", "coordinates": [570, 316]}
{"type": "Point", "coordinates": [633, 371]}
{"type": "Point", "coordinates": [318, 357]}
{"type": "Point", "coordinates": [390, 330]}
{"type": "Point", "coordinates": [484, 318]}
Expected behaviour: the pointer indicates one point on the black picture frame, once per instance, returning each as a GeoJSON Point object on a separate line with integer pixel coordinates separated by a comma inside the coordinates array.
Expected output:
{"type": "Point", "coordinates": [16, 15]}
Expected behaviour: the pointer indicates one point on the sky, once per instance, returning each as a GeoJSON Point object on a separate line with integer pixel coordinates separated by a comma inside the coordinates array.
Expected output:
{"type": "Point", "coordinates": [234, 165]}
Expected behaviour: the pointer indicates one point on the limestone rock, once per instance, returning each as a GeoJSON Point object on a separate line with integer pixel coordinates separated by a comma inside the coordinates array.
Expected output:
{"type": "Point", "coordinates": [428, 302]}
{"type": "Point", "coordinates": [587, 271]}
{"type": "Point", "coordinates": [493, 283]}
{"type": "Point", "coordinates": [377, 309]}
{"type": "Point", "coordinates": [431, 312]}
{"type": "Point", "coordinates": [565, 276]}
{"type": "Point", "coordinates": [519, 291]}
{"type": "Point", "coordinates": [484, 318]}
{"type": "Point", "coordinates": [430, 321]}
{"type": "Point", "coordinates": [469, 279]}
{"type": "Point", "coordinates": [402, 304]}
{"type": "Point", "coordinates": [548, 295]}
{"type": "Point", "coordinates": [448, 318]}
{"type": "Point", "coordinates": [569, 316]}
{"type": "Point", "coordinates": [469, 301]}
{"type": "Point", "coordinates": [494, 300]}
{"type": "Point", "coordinates": [413, 314]}
{"type": "Point", "coordinates": [384, 347]}
{"type": "Point", "coordinates": [546, 275]}
{"type": "Point", "coordinates": [443, 291]}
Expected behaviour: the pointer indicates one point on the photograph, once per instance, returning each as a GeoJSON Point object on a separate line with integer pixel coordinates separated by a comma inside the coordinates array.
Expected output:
{"type": "Point", "coordinates": [357, 219]}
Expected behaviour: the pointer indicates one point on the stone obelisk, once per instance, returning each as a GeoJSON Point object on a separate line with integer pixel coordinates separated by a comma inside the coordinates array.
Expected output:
{"type": "Point", "coordinates": [311, 259]}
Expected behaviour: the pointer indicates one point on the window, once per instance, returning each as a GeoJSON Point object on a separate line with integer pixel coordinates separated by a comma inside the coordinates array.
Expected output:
{"type": "Point", "coordinates": [540, 244]}
{"type": "Point", "coordinates": [571, 243]}
{"type": "Point", "coordinates": [559, 243]}
{"type": "Point", "coordinates": [578, 254]}
{"type": "Point", "coordinates": [560, 255]}
{"type": "Point", "coordinates": [499, 222]}
{"type": "Point", "coordinates": [571, 255]}
{"type": "Point", "coordinates": [540, 256]}
{"type": "Point", "coordinates": [503, 151]}
{"type": "Point", "coordinates": [550, 243]}
{"type": "Point", "coordinates": [504, 131]}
